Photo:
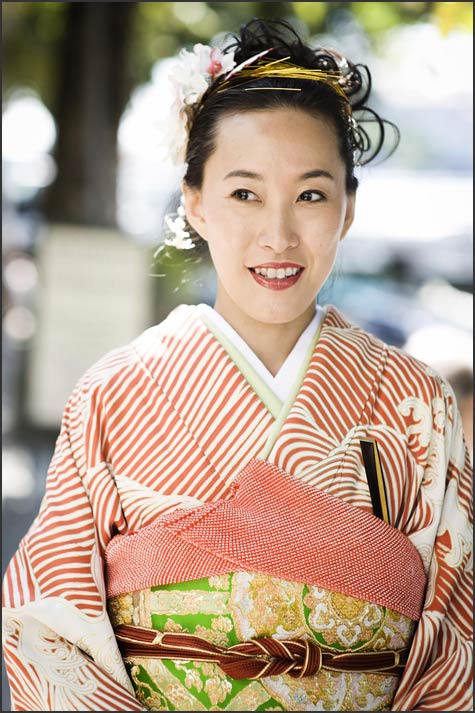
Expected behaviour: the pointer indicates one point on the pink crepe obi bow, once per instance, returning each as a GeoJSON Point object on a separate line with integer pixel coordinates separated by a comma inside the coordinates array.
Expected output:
{"type": "Point", "coordinates": [278, 525]}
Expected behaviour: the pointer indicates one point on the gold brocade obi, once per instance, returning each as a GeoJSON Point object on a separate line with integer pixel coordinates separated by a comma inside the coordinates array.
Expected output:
{"type": "Point", "coordinates": [230, 608]}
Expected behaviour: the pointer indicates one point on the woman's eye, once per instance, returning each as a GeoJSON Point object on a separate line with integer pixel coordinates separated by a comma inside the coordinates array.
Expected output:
{"type": "Point", "coordinates": [243, 195]}
{"type": "Point", "coordinates": [311, 197]}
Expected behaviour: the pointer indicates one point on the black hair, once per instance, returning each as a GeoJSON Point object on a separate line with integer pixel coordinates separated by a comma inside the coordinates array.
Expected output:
{"type": "Point", "coordinates": [357, 145]}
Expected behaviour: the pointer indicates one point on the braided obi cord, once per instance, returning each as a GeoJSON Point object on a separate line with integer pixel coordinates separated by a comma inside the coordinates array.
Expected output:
{"type": "Point", "coordinates": [256, 658]}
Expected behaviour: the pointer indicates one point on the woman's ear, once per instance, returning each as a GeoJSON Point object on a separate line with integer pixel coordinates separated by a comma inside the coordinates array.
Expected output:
{"type": "Point", "coordinates": [194, 210]}
{"type": "Point", "coordinates": [349, 214]}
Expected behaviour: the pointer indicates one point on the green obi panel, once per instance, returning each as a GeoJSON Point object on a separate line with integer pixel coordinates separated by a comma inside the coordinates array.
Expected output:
{"type": "Point", "coordinates": [230, 608]}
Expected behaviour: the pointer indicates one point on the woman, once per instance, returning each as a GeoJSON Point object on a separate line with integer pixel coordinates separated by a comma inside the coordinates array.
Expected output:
{"type": "Point", "coordinates": [256, 506]}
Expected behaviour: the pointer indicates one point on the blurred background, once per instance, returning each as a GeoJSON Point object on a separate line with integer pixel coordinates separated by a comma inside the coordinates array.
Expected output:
{"type": "Point", "coordinates": [85, 191]}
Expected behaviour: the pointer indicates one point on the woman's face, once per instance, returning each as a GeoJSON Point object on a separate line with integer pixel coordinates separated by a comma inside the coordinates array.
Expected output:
{"type": "Point", "coordinates": [273, 208]}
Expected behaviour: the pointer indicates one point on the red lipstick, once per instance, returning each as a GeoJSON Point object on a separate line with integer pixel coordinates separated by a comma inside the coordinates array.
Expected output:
{"type": "Point", "coordinates": [276, 283]}
{"type": "Point", "coordinates": [276, 265]}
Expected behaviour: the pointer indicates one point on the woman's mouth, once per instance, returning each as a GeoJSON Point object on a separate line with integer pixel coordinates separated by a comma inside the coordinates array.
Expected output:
{"type": "Point", "coordinates": [276, 277]}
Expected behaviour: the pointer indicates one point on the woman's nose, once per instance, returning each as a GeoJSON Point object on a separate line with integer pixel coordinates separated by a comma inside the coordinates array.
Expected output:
{"type": "Point", "coordinates": [278, 232]}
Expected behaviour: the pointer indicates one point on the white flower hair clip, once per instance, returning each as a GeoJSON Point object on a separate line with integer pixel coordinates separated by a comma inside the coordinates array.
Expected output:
{"type": "Point", "coordinates": [177, 236]}
{"type": "Point", "coordinates": [190, 75]}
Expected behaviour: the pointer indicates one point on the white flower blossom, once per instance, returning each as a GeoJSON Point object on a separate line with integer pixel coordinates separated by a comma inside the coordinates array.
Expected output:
{"type": "Point", "coordinates": [190, 75]}
{"type": "Point", "coordinates": [180, 238]}
{"type": "Point", "coordinates": [173, 132]}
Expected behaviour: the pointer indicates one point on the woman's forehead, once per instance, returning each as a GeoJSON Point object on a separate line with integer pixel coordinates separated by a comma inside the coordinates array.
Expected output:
{"type": "Point", "coordinates": [270, 121]}
{"type": "Point", "coordinates": [292, 137]}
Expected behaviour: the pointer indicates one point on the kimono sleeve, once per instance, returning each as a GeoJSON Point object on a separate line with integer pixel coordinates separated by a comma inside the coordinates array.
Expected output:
{"type": "Point", "coordinates": [59, 647]}
{"type": "Point", "coordinates": [438, 674]}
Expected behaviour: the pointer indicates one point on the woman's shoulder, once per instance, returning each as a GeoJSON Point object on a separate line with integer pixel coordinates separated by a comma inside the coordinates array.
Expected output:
{"type": "Point", "coordinates": [123, 362]}
{"type": "Point", "coordinates": [412, 375]}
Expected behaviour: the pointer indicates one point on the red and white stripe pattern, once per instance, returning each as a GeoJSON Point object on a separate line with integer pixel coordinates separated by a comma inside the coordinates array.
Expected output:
{"type": "Point", "coordinates": [167, 422]}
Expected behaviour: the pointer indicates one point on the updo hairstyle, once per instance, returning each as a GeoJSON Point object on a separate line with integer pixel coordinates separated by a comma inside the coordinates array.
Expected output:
{"type": "Point", "coordinates": [356, 145]}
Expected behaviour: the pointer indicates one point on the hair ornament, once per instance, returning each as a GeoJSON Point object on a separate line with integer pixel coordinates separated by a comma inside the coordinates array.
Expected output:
{"type": "Point", "coordinates": [190, 75]}
{"type": "Point", "coordinates": [177, 235]}
{"type": "Point", "coordinates": [256, 69]}
{"type": "Point", "coordinates": [246, 62]}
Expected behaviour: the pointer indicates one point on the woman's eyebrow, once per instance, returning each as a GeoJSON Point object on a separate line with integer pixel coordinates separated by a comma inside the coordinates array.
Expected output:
{"type": "Point", "coordinates": [315, 173]}
{"type": "Point", "coordinates": [240, 173]}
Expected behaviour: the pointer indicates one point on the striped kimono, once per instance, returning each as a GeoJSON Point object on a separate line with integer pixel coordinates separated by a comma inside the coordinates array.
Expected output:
{"type": "Point", "coordinates": [166, 447]}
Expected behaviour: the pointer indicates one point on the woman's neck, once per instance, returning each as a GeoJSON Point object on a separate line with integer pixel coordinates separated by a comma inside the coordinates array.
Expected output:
{"type": "Point", "coordinates": [271, 343]}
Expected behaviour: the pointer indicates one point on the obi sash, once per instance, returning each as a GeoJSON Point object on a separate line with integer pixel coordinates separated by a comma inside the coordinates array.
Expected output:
{"type": "Point", "coordinates": [275, 524]}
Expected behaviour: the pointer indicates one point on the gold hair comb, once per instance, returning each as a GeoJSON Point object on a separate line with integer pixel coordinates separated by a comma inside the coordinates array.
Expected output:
{"type": "Point", "coordinates": [281, 69]}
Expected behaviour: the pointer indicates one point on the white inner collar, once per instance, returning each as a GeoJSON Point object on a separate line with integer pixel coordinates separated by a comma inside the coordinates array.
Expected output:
{"type": "Point", "coordinates": [282, 383]}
